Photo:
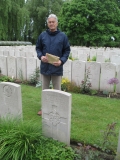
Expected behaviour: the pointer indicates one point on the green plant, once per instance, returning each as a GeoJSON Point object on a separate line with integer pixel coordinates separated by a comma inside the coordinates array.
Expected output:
{"type": "Point", "coordinates": [23, 140]}
{"type": "Point", "coordinates": [6, 79]}
{"type": "Point", "coordinates": [107, 60]}
{"type": "Point", "coordinates": [86, 153]}
{"type": "Point", "coordinates": [86, 84]}
{"type": "Point", "coordinates": [93, 92]}
{"type": "Point", "coordinates": [64, 84]}
{"type": "Point", "coordinates": [21, 76]}
{"type": "Point", "coordinates": [71, 58]}
{"type": "Point", "coordinates": [68, 86]}
{"type": "Point", "coordinates": [113, 82]}
{"type": "Point", "coordinates": [34, 77]}
{"type": "Point", "coordinates": [107, 140]}
{"type": "Point", "coordinates": [93, 58]}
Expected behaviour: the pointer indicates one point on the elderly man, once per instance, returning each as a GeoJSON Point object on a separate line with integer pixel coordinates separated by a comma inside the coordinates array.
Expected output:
{"type": "Point", "coordinates": [54, 42]}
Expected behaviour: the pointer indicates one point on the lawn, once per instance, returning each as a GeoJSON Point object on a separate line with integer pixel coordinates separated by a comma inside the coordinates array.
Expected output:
{"type": "Point", "coordinates": [90, 114]}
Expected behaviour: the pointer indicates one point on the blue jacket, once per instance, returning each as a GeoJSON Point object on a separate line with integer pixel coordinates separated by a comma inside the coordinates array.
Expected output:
{"type": "Point", "coordinates": [55, 43]}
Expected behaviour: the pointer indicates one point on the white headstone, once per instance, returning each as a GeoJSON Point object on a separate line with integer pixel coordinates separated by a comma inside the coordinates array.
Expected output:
{"type": "Point", "coordinates": [74, 53]}
{"type": "Point", "coordinates": [29, 54]}
{"type": "Point", "coordinates": [92, 53]}
{"type": "Point", "coordinates": [115, 59]}
{"type": "Point", "coordinates": [11, 52]}
{"type": "Point", "coordinates": [94, 74]}
{"type": "Point", "coordinates": [56, 115]}
{"type": "Point", "coordinates": [21, 68]}
{"type": "Point", "coordinates": [108, 71]}
{"type": "Point", "coordinates": [78, 71]}
{"type": "Point", "coordinates": [22, 53]}
{"type": "Point", "coordinates": [1, 53]}
{"type": "Point", "coordinates": [82, 56]}
{"type": "Point", "coordinates": [6, 53]}
{"type": "Point", "coordinates": [100, 58]}
{"type": "Point", "coordinates": [3, 65]}
{"type": "Point", "coordinates": [67, 69]}
{"type": "Point", "coordinates": [10, 100]}
{"type": "Point", "coordinates": [12, 66]}
{"type": "Point", "coordinates": [106, 54]}
{"type": "Point", "coordinates": [31, 66]}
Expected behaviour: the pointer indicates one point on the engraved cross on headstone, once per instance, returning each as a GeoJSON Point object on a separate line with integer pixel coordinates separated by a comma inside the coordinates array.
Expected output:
{"type": "Point", "coordinates": [53, 119]}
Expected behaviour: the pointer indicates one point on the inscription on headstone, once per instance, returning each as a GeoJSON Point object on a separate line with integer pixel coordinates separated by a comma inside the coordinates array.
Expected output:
{"type": "Point", "coordinates": [10, 100]}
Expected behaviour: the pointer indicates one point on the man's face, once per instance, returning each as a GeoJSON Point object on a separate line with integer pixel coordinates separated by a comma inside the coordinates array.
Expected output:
{"type": "Point", "coordinates": [52, 24]}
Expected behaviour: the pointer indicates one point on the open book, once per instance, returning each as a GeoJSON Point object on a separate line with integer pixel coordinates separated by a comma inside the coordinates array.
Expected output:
{"type": "Point", "coordinates": [51, 58]}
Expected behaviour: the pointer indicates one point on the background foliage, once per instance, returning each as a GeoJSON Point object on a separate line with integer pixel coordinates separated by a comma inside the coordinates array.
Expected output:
{"type": "Point", "coordinates": [86, 22]}
{"type": "Point", "coordinates": [91, 22]}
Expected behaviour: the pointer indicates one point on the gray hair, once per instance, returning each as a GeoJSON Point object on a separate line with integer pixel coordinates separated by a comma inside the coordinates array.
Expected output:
{"type": "Point", "coordinates": [52, 16]}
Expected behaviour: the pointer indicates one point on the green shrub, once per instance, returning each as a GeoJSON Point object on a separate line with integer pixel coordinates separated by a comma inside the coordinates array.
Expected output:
{"type": "Point", "coordinates": [24, 141]}
{"type": "Point", "coordinates": [6, 79]}
{"type": "Point", "coordinates": [86, 84]}
{"type": "Point", "coordinates": [93, 58]}
{"type": "Point", "coordinates": [34, 77]}
{"type": "Point", "coordinates": [68, 86]}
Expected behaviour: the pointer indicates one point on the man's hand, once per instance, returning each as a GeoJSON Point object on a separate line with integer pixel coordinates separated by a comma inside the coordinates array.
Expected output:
{"type": "Point", "coordinates": [57, 63]}
{"type": "Point", "coordinates": [44, 59]}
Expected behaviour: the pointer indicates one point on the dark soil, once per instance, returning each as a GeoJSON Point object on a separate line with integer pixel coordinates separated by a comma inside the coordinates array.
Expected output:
{"type": "Point", "coordinates": [95, 153]}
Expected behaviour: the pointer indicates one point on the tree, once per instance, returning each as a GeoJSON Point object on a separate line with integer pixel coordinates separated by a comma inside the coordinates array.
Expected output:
{"type": "Point", "coordinates": [12, 19]}
{"type": "Point", "coordinates": [91, 22]}
{"type": "Point", "coordinates": [39, 11]}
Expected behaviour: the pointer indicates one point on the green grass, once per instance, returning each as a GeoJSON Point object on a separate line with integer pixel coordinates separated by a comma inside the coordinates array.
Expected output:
{"type": "Point", "coordinates": [90, 114]}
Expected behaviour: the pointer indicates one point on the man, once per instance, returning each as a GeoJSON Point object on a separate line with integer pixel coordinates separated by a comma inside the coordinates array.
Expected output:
{"type": "Point", "coordinates": [54, 42]}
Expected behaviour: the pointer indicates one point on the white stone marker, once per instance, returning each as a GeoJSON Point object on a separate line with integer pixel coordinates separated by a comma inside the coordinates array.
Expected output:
{"type": "Point", "coordinates": [108, 71]}
{"type": "Point", "coordinates": [74, 53]}
{"type": "Point", "coordinates": [10, 100]}
{"type": "Point", "coordinates": [94, 74]}
{"type": "Point", "coordinates": [78, 72]}
{"type": "Point", "coordinates": [67, 69]}
{"type": "Point", "coordinates": [31, 66]}
{"type": "Point", "coordinates": [56, 115]}
{"type": "Point", "coordinates": [92, 53]}
{"type": "Point", "coordinates": [11, 64]}
{"type": "Point", "coordinates": [82, 56]}
{"type": "Point", "coordinates": [3, 65]}
{"type": "Point", "coordinates": [1, 53]}
{"type": "Point", "coordinates": [21, 68]}
{"type": "Point", "coordinates": [100, 58]}
{"type": "Point", "coordinates": [6, 53]}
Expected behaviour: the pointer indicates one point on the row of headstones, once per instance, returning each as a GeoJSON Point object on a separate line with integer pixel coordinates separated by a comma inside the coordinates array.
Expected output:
{"type": "Point", "coordinates": [80, 53]}
{"type": "Point", "coordinates": [28, 51]}
{"type": "Point", "coordinates": [56, 110]}
{"type": "Point", "coordinates": [19, 67]}
{"type": "Point", "coordinates": [100, 73]}
{"type": "Point", "coordinates": [101, 55]}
